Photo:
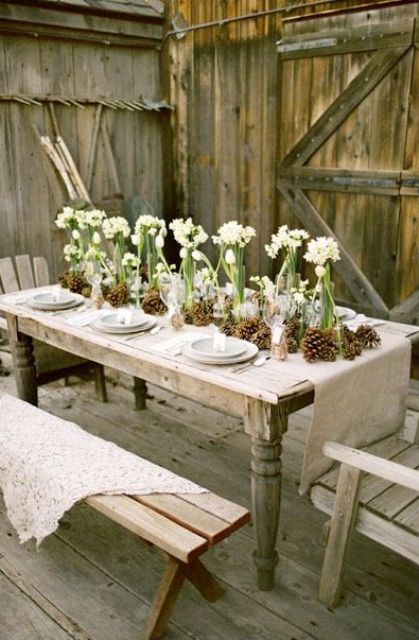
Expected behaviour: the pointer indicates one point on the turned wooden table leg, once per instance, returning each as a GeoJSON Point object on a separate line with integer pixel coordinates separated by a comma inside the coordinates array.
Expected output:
{"type": "Point", "coordinates": [265, 424]}
{"type": "Point", "coordinates": [21, 347]}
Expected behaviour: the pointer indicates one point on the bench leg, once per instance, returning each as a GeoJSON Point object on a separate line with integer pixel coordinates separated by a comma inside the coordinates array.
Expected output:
{"type": "Point", "coordinates": [341, 525]}
{"type": "Point", "coordinates": [204, 581]}
{"type": "Point", "coordinates": [100, 383]}
{"type": "Point", "coordinates": [164, 600]}
{"type": "Point", "coordinates": [169, 588]}
{"type": "Point", "coordinates": [140, 394]}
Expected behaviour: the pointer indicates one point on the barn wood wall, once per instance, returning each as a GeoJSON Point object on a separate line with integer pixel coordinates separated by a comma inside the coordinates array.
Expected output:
{"type": "Point", "coordinates": [229, 133]}
{"type": "Point", "coordinates": [30, 190]}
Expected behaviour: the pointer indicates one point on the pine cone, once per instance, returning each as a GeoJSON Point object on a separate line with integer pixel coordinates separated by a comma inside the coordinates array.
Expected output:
{"type": "Point", "coordinates": [246, 328]}
{"type": "Point", "coordinates": [227, 327]}
{"type": "Point", "coordinates": [199, 314]}
{"type": "Point", "coordinates": [292, 329]}
{"type": "Point", "coordinates": [63, 280]}
{"type": "Point", "coordinates": [349, 351]}
{"type": "Point", "coordinates": [292, 345]}
{"type": "Point", "coordinates": [153, 304]}
{"type": "Point", "coordinates": [262, 337]}
{"type": "Point", "coordinates": [77, 283]}
{"type": "Point", "coordinates": [313, 344]}
{"type": "Point", "coordinates": [118, 296]}
{"type": "Point", "coordinates": [368, 336]}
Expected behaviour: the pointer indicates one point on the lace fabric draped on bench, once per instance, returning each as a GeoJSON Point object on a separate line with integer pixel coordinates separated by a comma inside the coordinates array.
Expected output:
{"type": "Point", "coordinates": [47, 464]}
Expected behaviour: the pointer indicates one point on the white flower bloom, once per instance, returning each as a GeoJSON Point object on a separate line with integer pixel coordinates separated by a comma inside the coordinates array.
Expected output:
{"type": "Point", "coordinates": [114, 226]}
{"type": "Point", "coordinates": [233, 233]}
{"type": "Point", "coordinates": [320, 271]}
{"type": "Point", "coordinates": [183, 253]}
{"type": "Point", "coordinates": [134, 239]}
{"type": "Point", "coordinates": [230, 258]}
{"type": "Point", "coordinates": [67, 219]}
{"type": "Point", "coordinates": [72, 252]}
{"type": "Point", "coordinates": [159, 241]}
{"type": "Point", "coordinates": [322, 249]}
{"type": "Point", "coordinates": [147, 222]}
{"type": "Point", "coordinates": [299, 297]}
{"type": "Point", "coordinates": [76, 234]}
{"type": "Point", "coordinates": [96, 238]}
{"type": "Point", "coordinates": [129, 260]}
{"type": "Point", "coordinates": [188, 234]}
{"type": "Point", "coordinates": [286, 239]}
{"type": "Point", "coordinates": [197, 255]}
{"type": "Point", "coordinates": [94, 218]}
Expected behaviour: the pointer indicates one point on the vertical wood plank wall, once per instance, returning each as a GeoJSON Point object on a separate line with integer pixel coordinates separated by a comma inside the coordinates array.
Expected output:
{"type": "Point", "coordinates": [30, 191]}
{"type": "Point", "coordinates": [236, 116]}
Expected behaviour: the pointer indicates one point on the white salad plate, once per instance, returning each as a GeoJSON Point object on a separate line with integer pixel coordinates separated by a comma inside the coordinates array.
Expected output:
{"type": "Point", "coordinates": [205, 347]}
{"type": "Point", "coordinates": [47, 301]}
{"type": "Point", "coordinates": [345, 313]}
{"type": "Point", "coordinates": [250, 352]}
{"type": "Point", "coordinates": [149, 323]}
{"type": "Point", "coordinates": [116, 322]}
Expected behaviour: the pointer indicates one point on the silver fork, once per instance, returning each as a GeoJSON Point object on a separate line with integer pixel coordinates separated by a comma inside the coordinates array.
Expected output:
{"type": "Point", "coordinates": [259, 361]}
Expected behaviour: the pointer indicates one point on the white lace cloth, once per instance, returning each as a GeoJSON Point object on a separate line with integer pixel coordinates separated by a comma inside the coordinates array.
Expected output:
{"type": "Point", "coordinates": [47, 464]}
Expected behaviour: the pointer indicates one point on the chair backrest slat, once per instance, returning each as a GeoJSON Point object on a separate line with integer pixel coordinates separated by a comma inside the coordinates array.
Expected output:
{"type": "Point", "coordinates": [41, 271]}
{"type": "Point", "coordinates": [24, 272]}
{"type": "Point", "coordinates": [8, 275]}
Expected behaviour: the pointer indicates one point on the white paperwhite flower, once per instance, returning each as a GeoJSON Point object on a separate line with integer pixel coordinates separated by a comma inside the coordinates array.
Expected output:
{"type": "Point", "coordinates": [72, 252]}
{"type": "Point", "coordinates": [68, 218]}
{"type": "Point", "coordinates": [149, 224]}
{"type": "Point", "coordinates": [320, 271]}
{"type": "Point", "coordinates": [230, 258]}
{"type": "Point", "coordinates": [134, 239]}
{"type": "Point", "coordinates": [285, 238]}
{"type": "Point", "coordinates": [322, 249]}
{"type": "Point", "coordinates": [96, 238]}
{"type": "Point", "coordinates": [234, 233]}
{"type": "Point", "coordinates": [197, 255]}
{"type": "Point", "coordinates": [188, 234]}
{"type": "Point", "coordinates": [159, 241]}
{"type": "Point", "coordinates": [130, 260]}
{"type": "Point", "coordinates": [94, 218]}
{"type": "Point", "coordinates": [76, 234]}
{"type": "Point", "coordinates": [93, 254]}
{"type": "Point", "coordinates": [183, 253]}
{"type": "Point", "coordinates": [114, 226]}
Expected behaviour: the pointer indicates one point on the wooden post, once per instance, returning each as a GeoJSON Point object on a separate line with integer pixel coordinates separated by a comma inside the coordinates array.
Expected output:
{"type": "Point", "coordinates": [21, 347]}
{"type": "Point", "coordinates": [342, 523]}
{"type": "Point", "coordinates": [266, 424]}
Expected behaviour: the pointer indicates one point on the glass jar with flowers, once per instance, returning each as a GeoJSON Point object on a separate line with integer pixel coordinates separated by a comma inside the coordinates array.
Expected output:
{"type": "Point", "coordinates": [189, 236]}
{"type": "Point", "coordinates": [322, 252]}
{"type": "Point", "coordinates": [116, 229]}
{"type": "Point", "coordinates": [288, 242]}
{"type": "Point", "coordinates": [73, 221]}
{"type": "Point", "coordinates": [147, 228]}
{"type": "Point", "coordinates": [232, 238]}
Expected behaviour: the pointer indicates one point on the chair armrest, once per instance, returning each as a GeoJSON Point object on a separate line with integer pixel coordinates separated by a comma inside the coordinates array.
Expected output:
{"type": "Point", "coordinates": [392, 471]}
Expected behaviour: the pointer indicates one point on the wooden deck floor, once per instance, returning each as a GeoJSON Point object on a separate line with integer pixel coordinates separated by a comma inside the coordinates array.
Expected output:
{"type": "Point", "coordinates": [93, 581]}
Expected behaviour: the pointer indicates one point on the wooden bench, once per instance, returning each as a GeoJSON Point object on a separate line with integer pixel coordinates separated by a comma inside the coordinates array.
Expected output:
{"type": "Point", "coordinates": [375, 491]}
{"type": "Point", "coordinates": [183, 527]}
{"type": "Point", "coordinates": [51, 363]}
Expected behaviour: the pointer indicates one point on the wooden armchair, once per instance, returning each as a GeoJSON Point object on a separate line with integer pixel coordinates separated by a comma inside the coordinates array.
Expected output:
{"type": "Point", "coordinates": [383, 505]}
{"type": "Point", "coordinates": [51, 363]}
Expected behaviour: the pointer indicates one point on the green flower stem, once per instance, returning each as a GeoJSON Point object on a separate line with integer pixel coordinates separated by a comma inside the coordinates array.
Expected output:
{"type": "Point", "coordinates": [187, 269]}
{"type": "Point", "coordinates": [328, 306]}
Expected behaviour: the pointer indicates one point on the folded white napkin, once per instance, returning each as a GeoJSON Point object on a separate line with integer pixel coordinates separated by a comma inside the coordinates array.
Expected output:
{"type": "Point", "coordinates": [82, 319]}
{"type": "Point", "coordinates": [179, 340]}
{"type": "Point", "coordinates": [360, 318]}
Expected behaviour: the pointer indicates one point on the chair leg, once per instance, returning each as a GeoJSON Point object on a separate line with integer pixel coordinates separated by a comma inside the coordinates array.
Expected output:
{"type": "Point", "coordinates": [100, 383]}
{"type": "Point", "coordinates": [140, 394]}
{"type": "Point", "coordinates": [164, 601]}
{"type": "Point", "coordinates": [341, 525]}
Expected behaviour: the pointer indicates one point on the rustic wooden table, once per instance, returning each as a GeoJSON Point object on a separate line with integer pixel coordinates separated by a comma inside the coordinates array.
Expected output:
{"type": "Point", "coordinates": [263, 396]}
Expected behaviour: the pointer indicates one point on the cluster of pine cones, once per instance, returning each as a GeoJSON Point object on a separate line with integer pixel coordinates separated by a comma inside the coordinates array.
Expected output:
{"type": "Point", "coordinates": [117, 296]}
{"type": "Point", "coordinates": [153, 304]}
{"type": "Point", "coordinates": [323, 344]}
{"type": "Point", "coordinates": [200, 314]}
{"type": "Point", "coordinates": [76, 283]}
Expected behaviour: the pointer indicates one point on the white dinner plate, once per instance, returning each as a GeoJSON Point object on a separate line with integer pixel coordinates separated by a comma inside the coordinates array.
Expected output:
{"type": "Point", "coordinates": [149, 324]}
{"type": "Point", "coordinates": [111, 321]}
{"type": "Point", "coordinates": [47, 302]}
{"type": "Point", "coordinates": [345, 313]}
{"type": "Point", "coordinates": [205, 347]}
{"type": "Point", "coordinates": [251, 351]}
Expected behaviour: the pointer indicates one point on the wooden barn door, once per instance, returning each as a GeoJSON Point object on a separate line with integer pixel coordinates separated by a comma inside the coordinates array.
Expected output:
{"type": "Point", "coordinates": [349, 149]}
